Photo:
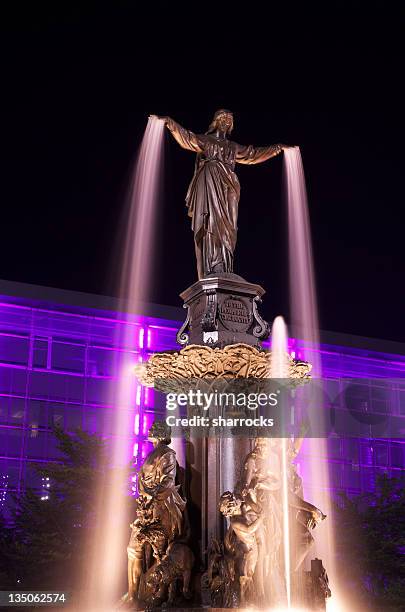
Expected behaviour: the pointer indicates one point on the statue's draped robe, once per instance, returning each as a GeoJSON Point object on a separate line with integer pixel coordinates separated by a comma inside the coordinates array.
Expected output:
{"type": "Point", "coordinates": [213, 195]}
{"type": "Point", "coordinates": [157, 479]}
{"type": "Point", "coordinates": [267, 472]}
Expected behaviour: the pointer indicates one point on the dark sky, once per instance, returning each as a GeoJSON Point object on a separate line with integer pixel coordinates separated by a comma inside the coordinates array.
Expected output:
{"type": "Point", "coordinates": [75, 110]}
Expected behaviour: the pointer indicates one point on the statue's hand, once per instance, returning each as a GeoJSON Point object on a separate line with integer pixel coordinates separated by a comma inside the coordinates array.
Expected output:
{"type": "Point", "coordinates": [285, 146]}
{"type": "Point", "coordinates": [164, 119]}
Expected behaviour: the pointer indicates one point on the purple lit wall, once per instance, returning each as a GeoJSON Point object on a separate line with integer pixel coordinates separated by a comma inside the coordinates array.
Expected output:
{"type": "Point", "coordinates": [58, 363]}
{"type": "Point", "coordinates": [58, 368]}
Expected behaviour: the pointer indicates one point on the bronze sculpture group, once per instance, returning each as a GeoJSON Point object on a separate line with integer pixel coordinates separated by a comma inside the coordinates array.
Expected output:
{"type": "Point", "coordinates": [160, 532]}
{"type": "Point", "coordinates": [246, 566]}
{"type": "Point", "coordinates": [251, 555]}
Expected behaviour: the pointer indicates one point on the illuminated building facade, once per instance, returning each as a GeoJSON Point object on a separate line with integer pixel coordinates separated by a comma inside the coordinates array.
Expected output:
{"type": "Point", "coordinates": [59, 357]}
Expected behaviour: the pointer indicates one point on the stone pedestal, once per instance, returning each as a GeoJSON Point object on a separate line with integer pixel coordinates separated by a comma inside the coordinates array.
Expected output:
{"type": "Point", "coordinates": [222, 309]}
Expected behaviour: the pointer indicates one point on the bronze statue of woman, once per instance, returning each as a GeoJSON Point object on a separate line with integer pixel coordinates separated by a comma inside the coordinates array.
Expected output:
{"type": "Point", "coordinates": [213, 195]}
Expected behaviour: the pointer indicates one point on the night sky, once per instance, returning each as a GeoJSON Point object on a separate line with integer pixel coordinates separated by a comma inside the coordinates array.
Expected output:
{"type": "Point", "coordinates": [76, 105]}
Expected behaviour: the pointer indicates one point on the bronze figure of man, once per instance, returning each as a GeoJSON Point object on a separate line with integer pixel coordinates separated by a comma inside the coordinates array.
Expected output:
{"type": "Point", "coordinates": [213, 195]}
{"type": "Point", "coordinates": [160, 508]}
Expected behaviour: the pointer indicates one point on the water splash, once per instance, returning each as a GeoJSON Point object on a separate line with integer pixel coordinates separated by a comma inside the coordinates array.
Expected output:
{"type": "Point", "coordinates": [279, 348]}
{"type": "Point", "coordinates": [305, 327]}
{"type": "Point", "coordinates": [135, 279]}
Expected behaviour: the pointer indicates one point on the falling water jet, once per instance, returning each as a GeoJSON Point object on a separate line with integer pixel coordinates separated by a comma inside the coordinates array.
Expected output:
{"type": "Point", "coordinates": [305, 327]}
{"type": "Point", "coordinates": [135, 279]}
{"type": "Point", "coordinates": [303, 300]}
{"type": "Point", "coordinates": [279, 348]}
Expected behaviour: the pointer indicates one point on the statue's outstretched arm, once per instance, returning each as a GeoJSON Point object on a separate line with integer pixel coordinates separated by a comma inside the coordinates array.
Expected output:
{"type": "Point", "coordinates": [257, 155]}
{"type": "Point", "coordinates": [186, 139]}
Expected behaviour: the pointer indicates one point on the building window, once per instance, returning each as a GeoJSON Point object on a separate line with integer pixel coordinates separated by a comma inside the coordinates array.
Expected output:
{"type": "Point", "coordinates": [397, 456]}
{"type": "Point", "coordinates": [402, 401]}
{"type": "Point", "coordinates": [381, 454]}
{"type": "Point", "coordinates": [380, 400]}
{"type": "Point", "coordinates": [101, 362]}
{"type": "Point", "coordinates": [40, 353]}
{"type": "Point", "coordinates": [73, 417]}
{"type": "Point", "coordinates": [12, 442]}
{"type": "Point", "coordinates": [56, 414]}
{"type": "Point", "coordinates": [16, 411]}
{"type": "Point", "coordinates": [14, 349]}
{"type": "Point", "coordinates": [68, 357]}
{"type": "Point", "coordinates": [4, 402]}
{"type": "Point", "coordinates": [351, 477]}
{"type": "Point", "coordinates": [352, 449]}
{"type": "Point", "coordinates": [37, 414]}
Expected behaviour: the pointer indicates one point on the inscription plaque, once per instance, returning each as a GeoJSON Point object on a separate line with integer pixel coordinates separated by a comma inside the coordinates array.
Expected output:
{"type": "Point", "coordinates": [235, 314]}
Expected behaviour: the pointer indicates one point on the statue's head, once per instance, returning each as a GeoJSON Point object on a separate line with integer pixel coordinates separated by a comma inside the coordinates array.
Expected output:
{"type": "Point", "coordinates": [160, 432]}
{"type": "Point", "coordinates": [229, 504]}
{"type": "Point", "coordinates": [222, 121]}
{"type": "Point", "coordinates": [261, 447]}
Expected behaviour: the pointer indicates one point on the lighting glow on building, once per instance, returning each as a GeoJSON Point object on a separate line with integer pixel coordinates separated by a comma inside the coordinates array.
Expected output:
{"type": "Point", "coordinates": [59, 359]}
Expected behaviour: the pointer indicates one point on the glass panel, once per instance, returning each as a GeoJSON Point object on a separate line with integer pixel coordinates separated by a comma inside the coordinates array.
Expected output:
{"type": "Point", "coordinates": [101, 362]}
{"type": "Point", "coordinates": [39, 353]}
{"type": "Point", "coordinates": [357, 397]}
{"type": "Point", "coordinates": [37, 413]}
{"type": "Point", "coordinates": [52, 448]}
{"type": "Point", "coordinates": [402, 402]}
{"type": "Point", "coordinates": [68, 357]}
{"type": "Point", "coordinates": [16, 411]}
{"type": "Point", "coordinates": [352, 449]}
{"type": "Point", "coordinates": [74, 389]}
{"type": "Point", "coordinates": [98, 391]}
{"type": "Point", "coordinates": [91, 422]}
{"type": "Point", "coordinates": [381, 454]}
{"type": "Point", "coordinates": [397, 456]}
{"type": "Point", "coordinates": [4, 403]}
{"type": "Point", "coordinates": [6, 375]}
{"type": "Point", "coordinates": [57, 386]}
{"type": "Point", "coordinates": [351, 477]}
{"type": "Point", "coordinates": [39, 385]}
{"type": "Point", "coordinates": [380, 400]}
{"type": "Point", "coordinates": [106, 419]}
{"type": "Point", "coordinates": [368, 479]}
{"type": "Point", "coordinates": [63, 325]}
{"type": "Point", "coordinates": [73, 417]}
{"type": "Point", "coordinates": [162, 338]}
{"type": "Point", "coordinates": [335, 470]}
{"type": "Point", "coordinates": [19, 382]}
{"type": "Point", "coordinates": [14, 349]}
{"type": "Point", "coordinates": [36, 446]}
{"type": "Point", "coordinates": [33, 480]}
{"type": "Point", "coordinates": [56, 413]}
{"type": "Point", "coordinates": [13, 441]}
{"type": "Point", "coordinates": [366, 453]}
{"type": "Point", "coordinates": [13, 471]}
{"type": "Point", "coordinates": [102, 331]}
{"type": "Point", "coordinates": [13, 318]}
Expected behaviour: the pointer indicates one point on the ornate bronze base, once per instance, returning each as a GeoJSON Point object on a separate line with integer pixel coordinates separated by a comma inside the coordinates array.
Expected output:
{"type": "Point", "coordinates": [223, 309]}
{"type": "Point", "coordinates": [170, 370]}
